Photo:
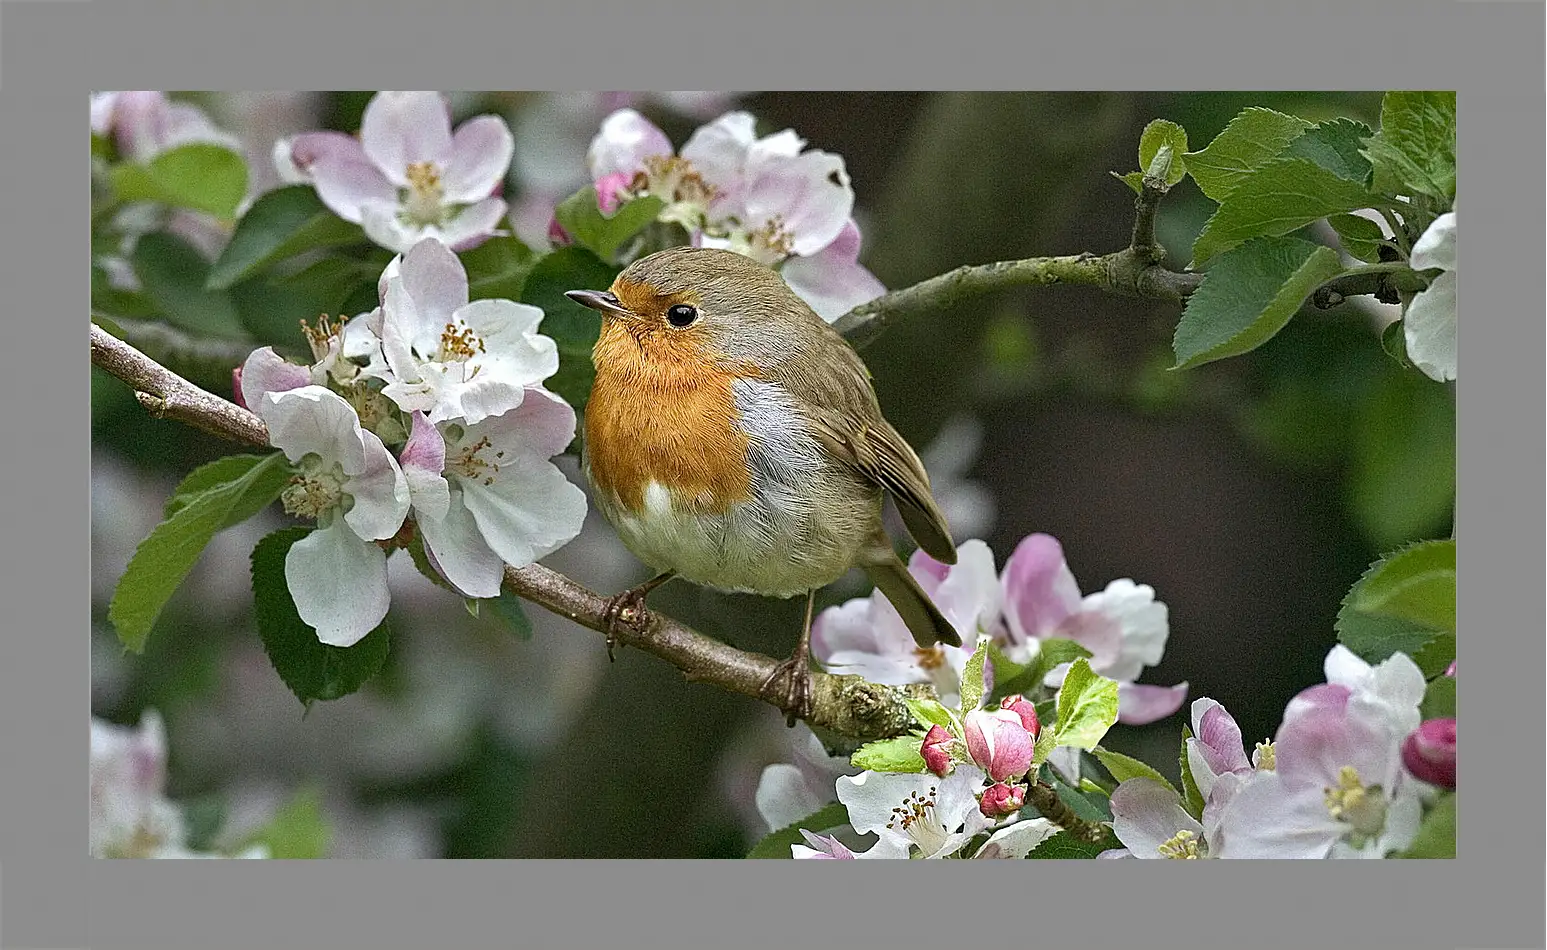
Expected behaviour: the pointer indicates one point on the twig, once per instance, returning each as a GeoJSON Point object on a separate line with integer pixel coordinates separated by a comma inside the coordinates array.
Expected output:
{"type": "Point", "coordinates": [848, 705]}
{"type": "Point", "coordinates": [1385, 281]}
{"type": "Point", "coordinates": [1045, 800]}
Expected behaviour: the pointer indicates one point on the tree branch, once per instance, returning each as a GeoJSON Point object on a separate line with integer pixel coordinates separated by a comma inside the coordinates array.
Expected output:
{"type": "Point", "coordinates": [1045, 800]}
{"type": "Point", "coordinates": [1135, 271]}
{"type": "Point", "coordinates": [1387, 282]}
{"type": "Point", "coordinates": [848, 705]}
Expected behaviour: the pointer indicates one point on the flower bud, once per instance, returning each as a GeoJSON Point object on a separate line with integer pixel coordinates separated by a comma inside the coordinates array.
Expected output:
{"type": "Point", "coordinates": [998, 742]}
{"type": "Point", "coordinates": [937, 751]}
{"type": "Point", "coordinates": [1451, 669]}
{"type": "Point", "coordinates": [1430, 752]}
{"type": "Point", "coordinates": [557, 236]}
{"type": "Point", "coordinates": [1001, 800]}
{"type": "Point", "coordinates": [611, 190]}
{"type": "Point", "coordinates": [1022, 707]}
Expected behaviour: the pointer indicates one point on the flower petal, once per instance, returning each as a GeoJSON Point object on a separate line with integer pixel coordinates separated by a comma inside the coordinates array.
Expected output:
{"type": "Point", "coordinates": [422, 460]}
{"type": "Point", "coordinates": [783, 796]}
{"type": "Point", "coordinates": [461, 554]}
{"type": "Point", "coordinates": [339, 583]}
{"type": "Point", "coordinates": [1146, 814]}
{"type": "Point", "coordinates": [481, 151]}
{"type": "Point", "coordinates": [970, 595]}
{"type": "Point", "coordinates": [267, 372]}
{"type": "Point", "coordinates": [311, 419]}
{"type": "Point", "coordinates": [1140, 703]}
{"type": "Point", "coordinates": [436, 280]}
{"type": "Point", "coordinates": [472, 225]}
{"type": "Point", "coordinates": [832, 280]}
{"type": "Point", "coordinates": [625, 140]}
{"type": "Point", "coordinates": [380, 492]}
{"type": "Point", "coordinates": [1142, 620]}
{"type": "Point", "coordinates": [1218, 738]}
{"type": "Point", "coordinates": [1039, 589]}
{"type": "Point", "coordinates": [1268, 819]}
{"type": "Point", "coordinates": [809, 194]}
{"type": "Point", "coordinates": [1436, 247]}
{"type": "Point", "coordinates": [1429, 329]}
{"type": "Point", "coordinates": [401, 128]}
{"type": "Point", "coordinates": [528, 511]}
{"type": "Point", "coordinates": [346, 180]}
{"type": "Point", "coordinates": [385, 228]}
{"type": "Point", "coordinates": [1018, 839]}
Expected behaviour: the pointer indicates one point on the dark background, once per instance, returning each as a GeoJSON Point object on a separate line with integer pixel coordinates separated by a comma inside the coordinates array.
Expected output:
{"type": "Point", "coordinates": [1249, 493]}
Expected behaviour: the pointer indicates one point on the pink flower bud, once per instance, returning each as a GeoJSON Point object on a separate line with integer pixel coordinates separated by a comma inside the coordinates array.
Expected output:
{"type": "Point", "coordinates": [1451, 669]}
{"type": "Point", "coordinates": [236, 386]}
{"type": "Point", "coordinates": [998, 742]}
{"type": "Point", "coordinates": [1430, 752]}
{"type": "Point", "coordinates": [557, 236]}
{"type": "Point", "coordinates": [611, 190]}
{"type": "Point", "coordinates": [1022, 707]}
{"type": "Point", "coordinates": [1001, 800]}
{"type": "Point", "coordinates": [937, 751]}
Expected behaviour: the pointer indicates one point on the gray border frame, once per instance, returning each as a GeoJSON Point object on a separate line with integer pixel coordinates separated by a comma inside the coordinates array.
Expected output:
{"type": "Point", "coordinates": [53, 53]}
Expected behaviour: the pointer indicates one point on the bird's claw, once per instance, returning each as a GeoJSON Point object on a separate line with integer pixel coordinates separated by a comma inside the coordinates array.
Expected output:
{"type": "Point", "coordinates": [794, 695]}
{"type": "Point", "coordinates": [624, 609]}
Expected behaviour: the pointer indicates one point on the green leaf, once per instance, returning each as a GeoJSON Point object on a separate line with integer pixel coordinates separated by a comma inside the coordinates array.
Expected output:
{"type": "Point", "coordinates": [1401, 484]}
{"type": "Point", "coordinates": [1437, 835]}
{"type": "Point", "coordinates": [310, 668]}
{"type": "Point", "coordinates": [1158, 136]}
{"type": "Point", "coordinates": [229, 469]}
{"type": "Point", "coordinates": [776, 844]}
{"type": "Point", "coordinates": [572, 326]}
{"type": "Point", "coordinates": [1393, 340]}
{"type": "Point", "coordinates": [1417, 584]}
{"type": "Point", "coordinates": [1064, 846]}
{"type": "Point", "coordinates": [199, 175]}
{"type": "Point", "coordinates": [1028, 678]}
{"type": "Point", "coordinates": [972, 677]}
{"type": "Point", "coordinates": [164, 558]}
{"type": "Point", "coordinates": [1439, 698]}
{"type": "Point", "coordinates": [1125, 767]}
{"type": "Point", "coordinates": [897, 754]}
{"type": "Point", "coordinates": [1360, 237]}
{"type": "Point", "coordinates": [1248, 296]}
{"type": "Point", "coordinates": [507, 607]}
{"type": "Point", "coordinates": [930, 713]}
{"type": "Point", "coordinates": [1281, 196]}
{"type": "Point", "coordinates": [297, 830]}
{"type": "Point", "coordinates": [580, 215]}
{"type": "Point", "coordinates": [1093, 809]}
{"type": "Point", "coordinates": [328, 282]}
{"type": "Point", "coordinates": [1415, 151]}
{"type": "Point", "coordinates": [1252, 139]}
{"type": "Point", "coordinates": [278, 226]}
{"type": "Point", "coordinates": [1335, 146]}
{"type": "Point", "coordinates": [173, 275]}
{"type": "Point", "coordinates": [1087, 707]}
{"type": "Point", "coordinates": [497, 268]}
{"type": "Point", "coordinates": [1374, 637]}
{"type": "Point", "coordinates": [1134, 180]}
{"type": "Point", "coordinates": [1435, 657]}
{"type": "Point", "coordinates": [1192, 798]}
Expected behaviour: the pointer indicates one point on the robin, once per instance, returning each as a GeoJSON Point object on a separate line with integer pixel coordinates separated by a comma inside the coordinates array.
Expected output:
{"type": "Point", "coordinates": [734, 440]}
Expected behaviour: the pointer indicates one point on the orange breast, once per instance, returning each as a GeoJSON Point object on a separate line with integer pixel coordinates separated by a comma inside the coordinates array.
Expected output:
{"type": "Point", "coordinates": [662, 411]}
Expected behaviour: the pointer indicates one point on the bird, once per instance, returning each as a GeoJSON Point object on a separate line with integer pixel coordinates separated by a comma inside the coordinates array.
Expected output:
{"type": "Point", "coordinates": [734, 440]}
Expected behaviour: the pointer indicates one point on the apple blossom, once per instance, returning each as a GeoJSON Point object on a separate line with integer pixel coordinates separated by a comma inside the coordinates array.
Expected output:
{"type": "Point", "coordinates": [1000, 800]}
{"type": "Point", "coordinates": [450, 358]}
{"type": "Point", "coordinates": [936, 751]}
{"type": "Point", "coordinates": [821, 848]}
{"type": "Point", "coordinates": [915, 813]}
{"type": "Point", "coordinates": [998, 742]}
{"type": "Point", "coordinates": [407, 176]}
{"type": "Point", "coordinates": [1429, 752]}
{"type": "Point", "coordinates": [1023, 708]}
{"type": "Point", "coordinates": [1429, 325]}
{"type": "Point", "coordinates": [146, 123]}
{"type": "Point", "coordinates": [789, 791]}
{"type": "Point", "coordinates": [1148, 818]}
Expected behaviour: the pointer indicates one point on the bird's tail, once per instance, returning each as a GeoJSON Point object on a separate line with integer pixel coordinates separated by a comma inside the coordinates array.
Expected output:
{"type": "Point", "coordinates": [923, 618]}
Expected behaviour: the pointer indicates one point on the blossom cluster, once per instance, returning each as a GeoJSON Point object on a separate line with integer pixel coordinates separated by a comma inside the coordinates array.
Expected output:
{"type": "Point", "coordinates": [456, 387]}
{"type": "Point", "coordinates": [131, 817]}
{"type": "Point", "coordinates": [1035, 598]}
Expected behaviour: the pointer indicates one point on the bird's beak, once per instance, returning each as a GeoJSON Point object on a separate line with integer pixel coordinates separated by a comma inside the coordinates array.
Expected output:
{"type": "Point", "coordinates": [600, 300]}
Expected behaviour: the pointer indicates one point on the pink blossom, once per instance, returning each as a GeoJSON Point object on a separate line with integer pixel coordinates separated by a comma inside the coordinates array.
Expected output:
{"type": "Point", "coordinates": [999, 742]}
{"type": "Point", "coordinates": [937, 751]}
{"type": "Point", "coordinates": [1001, 800]}
{"type": "Point", "coordinates": [1429, 752]}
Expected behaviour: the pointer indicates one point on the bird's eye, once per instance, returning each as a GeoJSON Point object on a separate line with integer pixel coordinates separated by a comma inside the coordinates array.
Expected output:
{"type": "Point", "coordinates": [681, 315]}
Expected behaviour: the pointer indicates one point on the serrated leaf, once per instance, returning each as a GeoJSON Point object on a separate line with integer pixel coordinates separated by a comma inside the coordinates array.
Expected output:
{"type": "Point", "coordinates": [1437, 834]}
{"type": "Point", "coordinates": [972, 677]}
{"type": "Point", "coordinates": [1415, 150]}
{"type": "Point", "coordinates": [1089, 787]}
{"type": "Point", "coordinates": [1393, 340]}
{"type": "Point", "coordinates": [1248, 296]}
{"type": "Point", "coordinates": [1374, 637]}
{"type": "Point", "coordinates": [1282, 196]}
{"type": "Point", "coordinates": [200, 175]}
{"type": "Point", "coordinates": [1335, 146]}
{"type": "Point", "coordinates": [1360, 237]}
{"type": "Point", "coordinates": [1093, 810]}
{"type": "Point", "coordinates": [776, 844]}
{"type": "Point", "coordinates": [297, 830]}
{"type": "Point", "coordinates": [312, 669]}
{"type": "Point", "coordinates": [897, 754]}
{"type": "Point", "coordinates": [930, 713]}
{"type": "Point", "coordinates": [497, 268]}
{"type": "Point", "coordinates": [1417, 584]}
{"type": "Point", "coordinates": [1087, 706]}
{"type": "Point", "coordinates": [573, 327]}
{"type": "Point", "coordinates": [1252, 139]}
{"type": "Point", "coordinates": [1046, 742]}
{"type": "Point", "coordinates": [1402, 481]}
{"type": "Point", "coordinates": [1192, 798]}
{"type": "Point", "coordinates": [214, 474]}
{"type": "Point", "coordinates": [330, 281]}
{"type": "Point", "coordinates": [1134, 180]}
{"type": "Point", "coordinates": [172, 274]}
{"type": "Point", "coordinates": [166, 556]}
{"type": "Point", "coordinates": [1158, 137]}
{"type": "Point", "coordinates": [1125, 767]}
{"type": "Point", "coordinates": [278, 226]}
{"type": "Point", "coordinates": [1439, 698]}
{"type": "Point", "coordinates": [1435, 657]}
{"type": "Point", "coordinates": [1064, 846]}
{"type": "Point", "coordinates": [1027, 678]}
{"type": "Point", "coordinates": [580, 215]}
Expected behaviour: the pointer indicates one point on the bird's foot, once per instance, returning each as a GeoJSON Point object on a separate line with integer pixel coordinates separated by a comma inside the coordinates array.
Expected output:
{"type": "Point", "coordinates": [789, 687]}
